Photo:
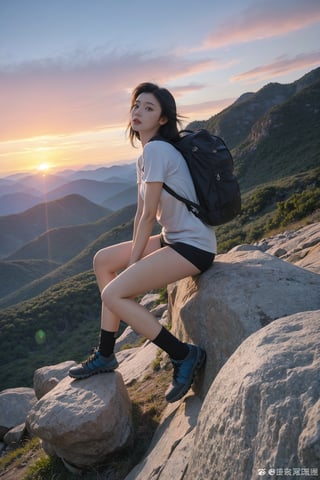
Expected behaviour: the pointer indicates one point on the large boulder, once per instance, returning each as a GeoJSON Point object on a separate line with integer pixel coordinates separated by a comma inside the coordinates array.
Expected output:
{"type": "Point", "coordinates": [15, 404]}
{"type": "Point", "coordinates": [15, 435]}
{"type": "Point", "coordinates": [262, 412]}
{"type": "Point", "coordinates": [46, 378]}
{"type": "Point", "coordinates": [83, 421]}
{"type": "Point", "coordinates": [243, 291]}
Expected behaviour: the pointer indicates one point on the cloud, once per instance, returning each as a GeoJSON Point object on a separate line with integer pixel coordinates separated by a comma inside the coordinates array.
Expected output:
{"type": "Point", "coordinates": [264, 20]}
{"type": "Point", "coordinates": [281, 65]}
{"type": "Point", "coordinates": [205, 110]}
{"type": "Point", "coordinates": [81, 92]}
{"type": "Point", "coordinates": [180, 90]}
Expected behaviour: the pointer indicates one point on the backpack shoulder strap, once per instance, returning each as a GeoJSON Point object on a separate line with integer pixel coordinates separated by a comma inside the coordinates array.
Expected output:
{"type": "Point", "coordinates": [191, 206]}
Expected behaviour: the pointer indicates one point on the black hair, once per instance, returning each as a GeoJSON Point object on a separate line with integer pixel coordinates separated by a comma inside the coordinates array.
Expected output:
{"type": "Point", "coordinates": [169, 130]}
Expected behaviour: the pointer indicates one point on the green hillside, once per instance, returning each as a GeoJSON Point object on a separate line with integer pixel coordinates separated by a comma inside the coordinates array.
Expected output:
{"type": "Point", "coordinates": [284, 142]}
{"type": "Point", "coordinates": [235, 122]}
{"type": "Point", "coordinates": [20, 272]}
{"type": "Point", "coordinates": [62, 244]}
{"type": "Point", "coordinates": [78, 264]}
{"type": "Point", "coordinates": [273, 206]}
{"type": "Point", "coordinates": [48, 329]}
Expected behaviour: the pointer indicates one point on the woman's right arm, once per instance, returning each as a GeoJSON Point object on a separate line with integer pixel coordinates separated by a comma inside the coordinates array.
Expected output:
{"type": "Point", "coordinates": [138, 214]}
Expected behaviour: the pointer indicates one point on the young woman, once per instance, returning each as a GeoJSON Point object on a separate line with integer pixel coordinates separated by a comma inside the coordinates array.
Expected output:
{"type": "Point", "coordinates": [185, 246]}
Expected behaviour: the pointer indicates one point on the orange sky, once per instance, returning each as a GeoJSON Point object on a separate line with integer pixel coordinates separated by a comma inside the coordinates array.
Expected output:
{"type": "Point", "coordinates": [67, 69]}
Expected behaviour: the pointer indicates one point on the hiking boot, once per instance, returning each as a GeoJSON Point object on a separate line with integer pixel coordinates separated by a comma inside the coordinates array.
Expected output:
{"type": "Point", "coordinates": [96, 363]}
{"type": "Point", "coordinates": [184, 372]}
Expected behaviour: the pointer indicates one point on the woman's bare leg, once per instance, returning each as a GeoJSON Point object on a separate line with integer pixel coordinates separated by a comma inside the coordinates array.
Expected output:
{"type": "Point", "coordinates": [160, 268]}
{"type": "Point", "coordinates": [107, 263]}
{"type": "Point", "coordinates": [155, 270]}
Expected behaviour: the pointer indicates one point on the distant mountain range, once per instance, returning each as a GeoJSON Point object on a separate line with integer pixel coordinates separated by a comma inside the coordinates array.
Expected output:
{"type": "Point", "coordinates": [114, 228]}
{"type": "Point", "coordinates": [20, 228]}
{"type": "Point", "coordinates": [20, 192]}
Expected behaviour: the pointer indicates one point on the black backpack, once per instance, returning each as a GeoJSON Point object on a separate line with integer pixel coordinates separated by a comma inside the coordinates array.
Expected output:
{"type": "Point", "coordinates": [211, 167]}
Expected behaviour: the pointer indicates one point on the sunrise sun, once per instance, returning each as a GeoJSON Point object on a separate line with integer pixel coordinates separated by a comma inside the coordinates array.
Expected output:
{"type": "Point", "coordinates": [43, 167]}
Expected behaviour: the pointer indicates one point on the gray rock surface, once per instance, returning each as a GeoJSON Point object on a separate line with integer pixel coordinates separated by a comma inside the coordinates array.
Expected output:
{"type": "Point", "coordinates": [172, 442]}
{"type": "Point", "coordinates": [15, 435]}
{"type": "Point", "coordinates": [46, 378]}
{"type": "Point", "coordinates": [263, 409]}
{"type": "Point", "coordinates": [15, 404]}
{"type": "Point", "coordinates": [135, 363]}
{"type": "Point", "coordinates": [82, 421]}
{"type": "Point", "coordinates": [301, 247]}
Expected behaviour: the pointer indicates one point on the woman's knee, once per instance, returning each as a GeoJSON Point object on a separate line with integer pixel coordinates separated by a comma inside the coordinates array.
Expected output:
{"type": "Point", "coordinates": [113, 258]}
{"type": "Point", "coordinates": [100, 259]}
{"type": "Point", "coordinates": [96, 260]}
{"type": "Point", "coordinates": [109, 296]}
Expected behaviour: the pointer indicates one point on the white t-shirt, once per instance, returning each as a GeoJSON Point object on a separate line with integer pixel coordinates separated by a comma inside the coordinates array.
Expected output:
{"type": "Point", "coordinates": [161, 162]}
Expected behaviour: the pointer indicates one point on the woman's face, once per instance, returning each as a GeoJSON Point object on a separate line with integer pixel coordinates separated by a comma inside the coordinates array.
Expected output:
{"type": "Point", "coordinates": [146, 115]}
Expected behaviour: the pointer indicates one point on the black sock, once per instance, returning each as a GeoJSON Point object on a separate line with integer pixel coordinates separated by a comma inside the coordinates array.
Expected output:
{"type": "Point", "coordinates": [107, 341]}
{"type": "Point", "coordinates": [176, 349]}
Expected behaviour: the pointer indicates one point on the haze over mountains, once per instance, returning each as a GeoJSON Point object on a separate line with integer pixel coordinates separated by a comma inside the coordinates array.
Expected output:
{"type": "Point", "coordinates": [20, 192]}
{"type": "Point", "coordinates": [17, 229]}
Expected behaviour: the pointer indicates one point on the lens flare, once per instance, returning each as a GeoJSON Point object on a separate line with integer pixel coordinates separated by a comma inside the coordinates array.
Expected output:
{"type": "Point", "coordinates": [40, 337]}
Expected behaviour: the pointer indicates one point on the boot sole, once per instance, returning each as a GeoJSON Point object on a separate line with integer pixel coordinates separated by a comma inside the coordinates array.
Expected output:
{"type": "Point", "coordinates": [87, 375]}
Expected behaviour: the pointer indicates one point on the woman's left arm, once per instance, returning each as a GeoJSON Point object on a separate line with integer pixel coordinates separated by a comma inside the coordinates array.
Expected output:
{"type": "Point", "coordinates": [147, 219]}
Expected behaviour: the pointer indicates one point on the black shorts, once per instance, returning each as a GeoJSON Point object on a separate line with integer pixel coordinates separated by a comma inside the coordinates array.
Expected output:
{"type": "Point", "coordinates": [200, 258]}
